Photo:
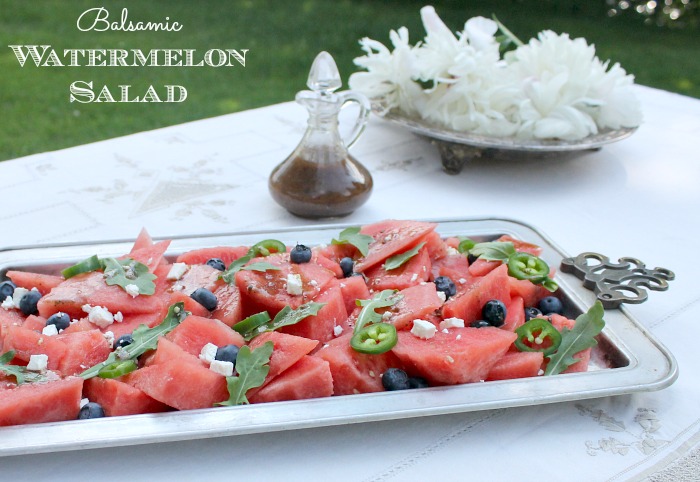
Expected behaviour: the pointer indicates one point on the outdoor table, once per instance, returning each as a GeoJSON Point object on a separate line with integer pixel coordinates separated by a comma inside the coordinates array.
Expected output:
{"type": "Point", "coordinates": [638, 197]}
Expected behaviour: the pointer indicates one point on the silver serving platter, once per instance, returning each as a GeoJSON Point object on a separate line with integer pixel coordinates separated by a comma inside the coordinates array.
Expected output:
{"type": "Point", "coordinates": [627, 359]}
{"type": "Point", "coordinates": [458, 147]}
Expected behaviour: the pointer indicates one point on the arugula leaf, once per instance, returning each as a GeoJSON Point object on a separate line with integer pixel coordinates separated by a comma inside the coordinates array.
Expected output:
{"type": "Point", "coordinates": [285, 317]}
{"type": "Point", "coordinates": [368, 314]}
{"type": "Point", "coordinates": [353, 236]}
{"type": "Point", "coordinates": [129, 272]}
{"type": "Point", "coordinates": [229, 275]}
{"type": "Point", "coordinates": [261, 266]}
{"type": "Point", "coordinates": [400, 259]}
{"type": "Point", "coordinates": [588, 326]}
{"type": "Point", "coordinates": [21, 374]}
{"type": "Point", "coordinates": [145, 339]}
{"type": "Point", "coordinates": [493, 250]}
{"type": "Point", "coordinates": [252, 368]}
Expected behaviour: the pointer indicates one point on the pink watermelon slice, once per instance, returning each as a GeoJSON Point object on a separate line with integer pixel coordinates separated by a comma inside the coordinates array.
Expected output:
{"type": "Point", "coordinates": [310, 377]}
{"type": "Point", "coordinates": [415, 271]}
{"type": "Point", "coordinates": [53, 401]}
{"type": "Point", "coordinates": [467, 304]}
{"type": "Point", "coordinates": [391, 237]}
{"type": "Point", "coordinates": [120, 398]}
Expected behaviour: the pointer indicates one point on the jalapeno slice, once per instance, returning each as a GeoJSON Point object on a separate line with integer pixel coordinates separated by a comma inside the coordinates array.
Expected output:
{"type": "Point", "coordinates": [538, 334]}
{"type": "Point", "coordinates": [117, 369]}
{"type": "Point", "coordinates": [527, 267]}
{"type": "Point", "coordinates": [465, 244]}
{"type": "Point", "coordinates": [251, 323]}
{"type": "Point", "coordinates": [267, 247]}
{"type": "Point", "coordinates": [93, 263]}
{"type": "Point", "coordinates": [375, 339]}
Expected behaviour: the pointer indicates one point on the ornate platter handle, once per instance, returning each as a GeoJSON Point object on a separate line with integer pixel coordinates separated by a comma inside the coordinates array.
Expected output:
{"type": "Point", "coordinates": [616, 283]}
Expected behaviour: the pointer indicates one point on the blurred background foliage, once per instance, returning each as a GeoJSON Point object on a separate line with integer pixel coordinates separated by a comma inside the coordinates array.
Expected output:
{"type": "Point", "coordinates": [655, 40]}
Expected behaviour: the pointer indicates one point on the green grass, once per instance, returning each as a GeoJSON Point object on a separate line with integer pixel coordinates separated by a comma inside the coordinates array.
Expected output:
{"type": "Point", "coordinates": [282, 38]}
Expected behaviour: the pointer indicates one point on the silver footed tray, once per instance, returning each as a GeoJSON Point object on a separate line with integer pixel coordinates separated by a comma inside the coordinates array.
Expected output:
{"type": "Point", "coordinates": [458, 147]}
{"type": "Point", "coordinates": [627, 359]}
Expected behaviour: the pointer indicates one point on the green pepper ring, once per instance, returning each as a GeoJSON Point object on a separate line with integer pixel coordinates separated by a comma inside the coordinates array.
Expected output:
{"type": "Point", "coordinates": [525, 266]}
{"type": "Point", "coordinates": [375, 339]}
{"type": "Point", "coordinates": [252, 322]}
{"type": "Point", "coordinates": [266, 247]}
{"type": "Point", "coordinates": [117, 369]}
{"type": "Point", "coordinates": [545, 329]}
{"type": "Point", "coordinates": [93, 263]}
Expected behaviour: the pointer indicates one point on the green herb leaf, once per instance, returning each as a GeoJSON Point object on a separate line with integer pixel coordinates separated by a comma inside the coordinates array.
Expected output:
{"type": "Point", "coordinates": [285, 317]}
{"type": "Point", "coordinates": [493, 250]}
{"type": "Point", "coordinates": [353, 236]}
{"type": "Point", "coordinates": [230, 274]}
{"type": "Point", "coordinates": [400, 259]}
{"type": "Point", "coordinates": [252, 367]}
{"type": "Point", "coordinates": [261, 266]}
{"type": "Point", "coordinates": [465, 244]}
{"type": "Point", "coordinates": [21, 374]}
{"type": "Point", "coordinates": [129, 272]}
{"type": "Point", "coordinates": [368, 314]}
{"type": "Point", "coordinates": [145, 339]}
{"type": "Point", "coordinates": [582, 336]}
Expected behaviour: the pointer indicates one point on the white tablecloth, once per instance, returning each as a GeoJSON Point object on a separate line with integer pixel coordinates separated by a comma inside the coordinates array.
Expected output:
{"type": "Point", "coordinates": [638, 197]}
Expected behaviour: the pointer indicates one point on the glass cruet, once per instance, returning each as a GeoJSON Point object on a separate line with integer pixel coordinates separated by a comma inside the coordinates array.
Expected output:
{"type": "Point", "coordinates": [320, 178]}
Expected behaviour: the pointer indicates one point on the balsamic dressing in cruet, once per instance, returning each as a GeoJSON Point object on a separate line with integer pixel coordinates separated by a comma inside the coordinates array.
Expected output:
{"type": "Point", "coordinates": [320, 178]}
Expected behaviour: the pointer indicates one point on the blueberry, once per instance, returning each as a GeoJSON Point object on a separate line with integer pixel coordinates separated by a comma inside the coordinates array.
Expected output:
{"type": "Point", "coordinates": [347, 265]}
{"type": "Point", "coordinates": [28, 303]}
{"type": "Point", "coordinates": [395, 379]}
{"type": "Point", "coordinates": [205, 298]}
{"type": "Point", "coordinates": [7, 288]}
{"type": "Point", "coordinates": [531, 312]}
{"type": "Point", "coordinates": [227, 353]}
{"type": "Point", "coordinates": [480, 324]}
{"type": "Point", "coordinates": [300, 254]}
{"type": "Point", "coordinates": [61, 320]}
{"type": "Point", "coordinates": [417, 382]}
{"type": "Point", "coordinates": [471, 258]}
{"type": "Point", "coordinates": [124, 340]}
{"type": "Point", "coordinates": [446, 285]}
{"type": "Point", "coordinates": [494, 312]}
{"type": "Point", "coordinates": [91, 410]}
{"type": "Point", "coordinates": [551, 304]}
{"type": "Point", "coordinates": [217, 263]}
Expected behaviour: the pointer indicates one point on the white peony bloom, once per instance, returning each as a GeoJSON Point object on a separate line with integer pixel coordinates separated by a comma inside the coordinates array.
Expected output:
{"type": "Point", "coordinates": [567, 89]}
{"type": "Point", "coordinates": [389, 74]}
{"type": "Point", "coordinates": [552, 87]}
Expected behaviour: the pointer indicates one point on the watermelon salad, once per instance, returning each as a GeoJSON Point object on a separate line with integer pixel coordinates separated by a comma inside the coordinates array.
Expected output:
{"type": "Point", "coordinates": [386, 306]}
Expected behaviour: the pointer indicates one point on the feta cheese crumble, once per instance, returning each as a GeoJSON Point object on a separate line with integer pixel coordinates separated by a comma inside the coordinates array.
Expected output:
{"type": "Point", "coordinates": [423, 329]}
{"type": "Point", "coordinates": [224, 368]}
{"type": "Point", "coordinates": [177, 271]}
{"type": "Point", "coordinates": [109, 336]}
{"type": "Point", "coordinates": [18, 295]}
{"type": "Point", "coordinates": [442, 296]}
{"type": "Point", "coordinates": [132, 290]}
{"type": "Point", "coordinates": [452, 251]}
{"type": "Point", "coordinates": [453, 322]}
{"type": "Point", "coordinates": [8, 303]}
{"type": "Point", "coordinates": [49, 330]}
{"type": "Point", "coordinates": [100, 316]}
{"type": "Point", "coordinates": [118, 317]}
{"type": "Point", "coordinates": [337, 330]}
{"type": "Point", "coordinates": [294, 285]}
{"type": "Point", "coordinates": [208, 353]}
{"type": "Point", "coordinates": [83, 402]}
{"type": "Point", "coordinates": [38, 363]}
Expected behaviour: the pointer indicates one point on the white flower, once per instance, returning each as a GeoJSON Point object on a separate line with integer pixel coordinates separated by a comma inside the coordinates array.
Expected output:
{"type": "Point", "coordinates": [551, 87]}
{"type": "Point", "coordinates": [566, 89]}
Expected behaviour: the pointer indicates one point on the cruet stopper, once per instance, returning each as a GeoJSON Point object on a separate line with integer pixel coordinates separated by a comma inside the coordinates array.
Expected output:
{"type": "Point", "coordinates": [320, 178]}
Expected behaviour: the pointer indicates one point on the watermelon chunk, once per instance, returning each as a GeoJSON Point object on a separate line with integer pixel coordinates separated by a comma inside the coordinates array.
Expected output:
{"type": "Point", "coordinates": [287, 350]}
{"type": "Point", "coordinates": [228, 309]}
{"type": "Point", "coordinates": [33, 322]}
{"type": "Point", "coordinates": [455, 267]}
{"type": "Point", "coordinates": [391, 237]}
{"type": "Point", "coordinates": [415, 271]}
{"type": "Point", "coordinates": [320, 326]}
{"type": "Point", "coordinates": [467, 304]}
{"type": "Point", "coordinates": [353, 288]}
{"type": "Point", "coordinates": [416, 302]}
{"type": "Point", "coordinates": [355, 372]}
{"type": "Point", "coordinates": [83, 350]}
{"type": "Point", "coordinates": [54, 401]}
{"type": "Point", "coordinates": [515, 314]}
{"type": "Point", "coordinates": [227, 254]}
{"type": "Point", "coordinates": [463, 355]}
{"type": "Point", "coordinates": [184, 384]}
{"type": "Point", "coordinates": [194, 332]}
{"type": "Point", "coordinates": [197, 276]}
{"type": "Point", "coordinates": [515, 364]}
{"type": "Point", "coordinates": [120, 398]}
{"type": "Point", "coordinates": [42, 282]}
{"type": "Point", "coordinates": [310, 377]}
{"type": "Point", "coordinates": [29, 342]}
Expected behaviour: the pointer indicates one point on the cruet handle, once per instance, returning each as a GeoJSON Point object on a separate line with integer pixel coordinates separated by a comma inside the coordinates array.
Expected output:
{"type": "Point", "coordinates": [365, 109]}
